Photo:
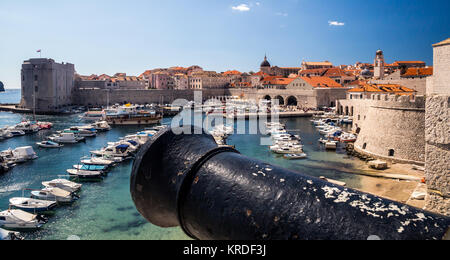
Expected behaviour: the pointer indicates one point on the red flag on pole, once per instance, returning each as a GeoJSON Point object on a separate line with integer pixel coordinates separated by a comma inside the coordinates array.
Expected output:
{"type": "Point", "coordinates": [39, 50]}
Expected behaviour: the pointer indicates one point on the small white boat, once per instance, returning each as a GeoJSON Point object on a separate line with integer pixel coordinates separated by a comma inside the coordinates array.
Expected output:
{"type": "Point", "coordinates": [49, 144]}
{"type": "Point", "coordinates": [66, 138]}
{"type": "Point", "coordinates": [27, 127]}
{"type": "Point", "coordinates": [63, 184]}
{"type": "Point", "coordinates": [82, 131]}
{"type": "Point", "coordinates": [15, 132]}
{"type": "Point", "coordinates": [85, 175]}
{"type": "Point", "coordinates": [97, 161]}
{"type": "Point", "coordinates": [9, 235]}
{"type": "Point", "coordinates": [101, 126]}
{"type": "Point", "coordinates": [295, 156]}
{"type": "Point", "coordinates": [286, 150]}
{"type": "Point", "coordinates": [54, 194]}
{"type": "Point", "coordinates": [16, 219]}
{"type": "Point", "coordinates": [32, 205]}
{"type": "Point", "coordinates": [348, 138]}
{"type": "Point", "coordinates": [122, 150]}
{"type": "Point", "coordinates": [19, 155]}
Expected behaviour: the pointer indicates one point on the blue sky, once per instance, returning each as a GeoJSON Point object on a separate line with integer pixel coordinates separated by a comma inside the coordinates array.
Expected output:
{"type": "Point", "coordinates": [135, 35]}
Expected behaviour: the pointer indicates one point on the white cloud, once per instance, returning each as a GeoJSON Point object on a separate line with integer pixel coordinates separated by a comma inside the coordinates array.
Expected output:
{"type": "Point", "coordinates": [335, 23]}
{"type": "Point", "coordinates": [241, 8]}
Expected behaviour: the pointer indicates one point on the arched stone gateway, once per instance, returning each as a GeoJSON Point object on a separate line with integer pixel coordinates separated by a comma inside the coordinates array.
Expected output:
{"type": "Point", "coordinates": [280, 100]}
{"type": "Point", "coordinates": [292, 101]}
{"type": "Point", "coordinates": [267, 97]}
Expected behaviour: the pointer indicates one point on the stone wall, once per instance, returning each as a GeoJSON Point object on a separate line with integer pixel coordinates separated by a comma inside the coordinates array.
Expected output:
{"type": "Point", "coordinates": [100, 97]}
{"type": "Point", "coordinates": [305, 98]}
{"type": "Point", "coordinates": [389, 124]}
{"type": "Point", "coordinates": [437, 133]}
{"type": "Point", "coordinates": [418, 84]}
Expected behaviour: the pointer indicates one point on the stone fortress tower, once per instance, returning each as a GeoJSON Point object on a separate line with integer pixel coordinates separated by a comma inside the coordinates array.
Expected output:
{"type": "Point", "coordinates": [391, 127]}
{"type": "Point", "coordinates": [437, 131]}
{"type": "Point", "coordinates": [47, 86]}
{"type": "Point", "coordinates": [379, 65]}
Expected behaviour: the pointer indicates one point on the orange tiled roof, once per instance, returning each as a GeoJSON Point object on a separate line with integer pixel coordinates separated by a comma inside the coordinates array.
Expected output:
{"type": "Point", "coordinates": [323, 82]}
{"type": "Point", "coordinates": [384, 88]}
{"type": "Point", "coordinates": [407, 62]}
{"type": "Point", "coordinates": [335, 72]}
{"type": "Point", "coordinates": [277, 80]}
{"type": "Point", "coordinates": [232, 72]}
{"type": "Point", "coordinates": [312, 71]}
{"type": "Point", "coordinates": [319, 63]}
{"type": "Point", "coordinates": [260, 73]}
{"type": "Point", "coordinates": [358, 82]}
{"type": "Point", "coordinates": [418, 72]}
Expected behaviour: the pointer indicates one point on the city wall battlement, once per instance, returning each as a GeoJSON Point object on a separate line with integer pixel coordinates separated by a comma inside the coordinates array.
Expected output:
{"type": "Point", "coordinates": [390, 127]}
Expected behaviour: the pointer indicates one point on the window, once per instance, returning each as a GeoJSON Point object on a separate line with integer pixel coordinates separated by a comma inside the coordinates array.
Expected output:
{"type": "Point", "coordinates": [364, 146]}
{"type": "Point", "coordinates": [391, 153]}
{"type": "Point", "coordinates": [35, 77]}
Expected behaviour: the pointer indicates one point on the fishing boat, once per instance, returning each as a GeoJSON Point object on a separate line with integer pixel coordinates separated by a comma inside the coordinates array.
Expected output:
{"type": "Point", "coordinates": [32, 205]}
{"type": "Point", "coordinates": [17, 219]}
{"type": "Point", "coordinates": [19, 155]}
{"type": "Point", "coordinates": [5, 134]}
{"type": "Point", "coordinates": [63, 184]}
{"type": "Point", "coordinates": [287, 150]}
{"type": "Point", "coordinates": [9, 235]}
{"type": "Point", "coordinates": [27, 127]}
{"type": "Point", "coordinates": [295, 156]}
{"type": "Point", "coordinates": [98, 161]}
{"type": "Point", "coordinates": [121, 150]}
{"type": "Point", "coordinates": [44, 125]}
{"type": "Point", "coordinates": [85, 175]}
{"type": "Point", "coordinates": [66, 138]}
{"type": "Point", "coordinates": [90, 167]}
{"type": "Point", "coordinates": [82, 131]}
{"type": "Point", "coordinates": [49, 144]}
{"type": "Point", "coordinates": [132, 115]}
{"type": "Point", "coordinates": [348, 138]}
{"type": "Point", "coordinates": [15, 132]}
{"type": "Point", "coordinates": [54, 194]}
{"type": "Point", "coordinates": [101, 126]}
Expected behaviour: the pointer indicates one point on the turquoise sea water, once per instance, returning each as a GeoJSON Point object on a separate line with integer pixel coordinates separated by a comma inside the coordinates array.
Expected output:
{"type": "Point", "coordinates": [105, 210]}
{"type": "Point", "coordinates": [10, 96]}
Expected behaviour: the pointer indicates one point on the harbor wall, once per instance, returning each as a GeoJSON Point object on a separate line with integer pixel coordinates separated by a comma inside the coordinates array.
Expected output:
{"type": "Point", "coordinates": [304, 98]}
{"type": "Point", "coordinates": [389, 127]}
{"type": "Point", "coordinates": [100, 97]}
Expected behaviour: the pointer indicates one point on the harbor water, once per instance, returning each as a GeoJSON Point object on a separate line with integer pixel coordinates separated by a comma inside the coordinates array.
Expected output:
{"type": "Point", "coordinates": [105, 209]}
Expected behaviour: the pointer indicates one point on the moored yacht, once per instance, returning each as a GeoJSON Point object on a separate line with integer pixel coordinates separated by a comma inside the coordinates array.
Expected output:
{"type": "Point", "coordinates": [32, 205]}
{"type": "Point", "coordinates": [54, 194]}
{"type": "Point", "coordinates": [16, 219]}
{"type": "Point", "coordinates": [132, 115]}
{"type": "Point", "coordinates": [63, 184]}
{"type": "Point", "coordinates": [66, 138]}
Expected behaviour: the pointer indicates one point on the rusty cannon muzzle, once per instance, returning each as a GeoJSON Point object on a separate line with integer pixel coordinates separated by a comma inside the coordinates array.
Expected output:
{"type": "Point", "coordinates": [215, 193]}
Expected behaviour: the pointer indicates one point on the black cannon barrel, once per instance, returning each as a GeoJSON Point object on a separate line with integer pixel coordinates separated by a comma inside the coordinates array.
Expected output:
{"type": "Point", "coordinates": [216, 193]}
